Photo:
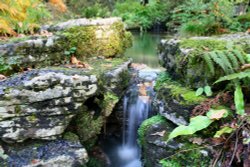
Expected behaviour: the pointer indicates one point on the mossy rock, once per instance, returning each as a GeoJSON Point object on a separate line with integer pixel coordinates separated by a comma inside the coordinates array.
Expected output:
{"type": "Point", "coordinates": [176, 102]}
{"type": "Point", "coordinates": [70, 137]}
{"type": "Point", "coordinates": [157, 152]}
{"type": "Point", "coordinates": [93, 41]}
{"type": "Point", "coordinates": [189, 60]}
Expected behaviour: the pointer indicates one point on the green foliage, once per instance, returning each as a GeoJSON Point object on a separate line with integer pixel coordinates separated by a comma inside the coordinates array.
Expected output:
{"type": "Point", "coordinates": [161, 79]}
{"type": "Point", "coordinates": [196, 124]}
{"type": "Point", "coordinates": [235, 76]}
{"type": "Point", "coordinates": [222, 131]}
{"type": "Point", "coordinates": [199, 17]}
{"type": "Point", "coordinates": [239, 100]}
{"type": "Point", "coordinates": [96, 10]}
{"type": "Point", "coordinates": [136, 15]}
{"type": "Point", "coordinates": [8, 64]}
{"type": "Point", "coordinates": [207, 90]}
{"type": "Point", "coordinates": [70, 52]}
{"type": "Point", "coordinates": [199, 123]}
{"type": "Point", "coordinates": [228, 60]}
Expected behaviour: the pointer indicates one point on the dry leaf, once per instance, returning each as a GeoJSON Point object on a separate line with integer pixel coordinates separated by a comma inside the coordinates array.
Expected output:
{"type": "Point", "coordinates": [34, 161]}
{"type": "Point", "coordinates": [143, 90]}
{"type": "Point", "coordinates": [197, 140]}
{"type": "Point", "coordinates": [162, 133]}
{"type": "Point", "coordinates": [2, 77]}
{"type": "Point", "coordinates": [73, 60]}
{"type": "Point", "coordinates": [218, 115]}
{"type": "Point", "coordinates": [245, 66]}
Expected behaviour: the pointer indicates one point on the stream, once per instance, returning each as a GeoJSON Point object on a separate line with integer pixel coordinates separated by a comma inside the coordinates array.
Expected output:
{"type": "Point", "coordinates": [124, 151]}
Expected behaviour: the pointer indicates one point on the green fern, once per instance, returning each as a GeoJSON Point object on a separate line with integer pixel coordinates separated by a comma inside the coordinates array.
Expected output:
{"type": "Point", "coordinates": [240, 75]}
{"type": "Point", "coordinates": [228, 60]}
{"type": "Point", "coordinates": [209, 63]}
{"type": "Point", "coordinates": [239, 55]}
{"type": "Point", "coordinates": [233, 60]}
{"type": "Point", "coordinates": [224, 58]}
{"type": "Point", "coordinates": [218, 60]}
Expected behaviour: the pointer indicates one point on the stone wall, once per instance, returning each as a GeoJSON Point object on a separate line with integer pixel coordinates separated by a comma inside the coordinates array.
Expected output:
{"type": "Point", "coordinates": [101, 37]}
{"type": "Point", "coordinates": [51, 114]}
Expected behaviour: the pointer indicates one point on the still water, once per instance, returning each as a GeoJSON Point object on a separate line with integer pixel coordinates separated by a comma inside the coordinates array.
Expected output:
{"type": "Point", "coordinates": [144, 49]}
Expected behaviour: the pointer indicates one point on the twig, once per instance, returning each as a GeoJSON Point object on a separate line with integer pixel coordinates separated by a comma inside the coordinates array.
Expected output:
{"type": "Point", "coordinates": [217, 158]}
{"type": "Point", "coordinates": [191, 150]}
{"type": "Point", "coordinates": [235, 149]}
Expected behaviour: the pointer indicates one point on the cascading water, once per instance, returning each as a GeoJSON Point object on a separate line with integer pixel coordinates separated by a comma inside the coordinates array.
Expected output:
{"type": "Point", "coordinates": [136, 108]}
{"type": "Point", "coordinates": [122, 149]}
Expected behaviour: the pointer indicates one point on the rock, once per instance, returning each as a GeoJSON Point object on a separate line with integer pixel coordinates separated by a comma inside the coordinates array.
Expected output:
{"type": "Point", "coordinates": [100, 37]}
{"type": "Point", "coordinates": [156, 150]}
{"type": "Point", "coordinates": [176, 102]}
{"type": "Point", "coordinates": [82, 22]}
{"type": "Point", "coordinates": [48, 154]}
{"type": "Point", "coordinates": [184, 58]}
{"type": "Point", "coordinates": [43, 106]}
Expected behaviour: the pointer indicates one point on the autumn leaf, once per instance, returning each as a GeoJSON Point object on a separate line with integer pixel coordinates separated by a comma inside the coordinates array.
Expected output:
{"type": "Point", "coordinates": [162, 133]}
{"type": "Point", "coordinates": [73, 60]}
{"type": "Point", "coordinates": [217, 114]}
{"type": "Point", "coordinates": [142, 90]}
{"type": "Point", "coordinates": [2, 77]}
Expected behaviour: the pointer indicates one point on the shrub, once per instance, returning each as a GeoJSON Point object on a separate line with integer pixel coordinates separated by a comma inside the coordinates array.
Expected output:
{"type": "Point", "coordinates": [21, 16]}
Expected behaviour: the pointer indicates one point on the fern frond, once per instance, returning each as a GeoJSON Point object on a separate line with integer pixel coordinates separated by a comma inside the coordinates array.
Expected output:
{"type": "Point", "coordinates": [239, 55]}
{"type": "Point", "coordinates": [224, 58]}
{"type": "Point", "coordinates": [240, 75]}
{"type": "Point", "coordinates": [233, 59]}
{"type": "Point", "coordinates": [218, 61]}
{"type": "Point", "coordinates": [209, 62]}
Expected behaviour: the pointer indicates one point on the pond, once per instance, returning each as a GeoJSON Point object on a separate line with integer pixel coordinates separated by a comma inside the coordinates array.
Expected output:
{"type": "Point", "coordinates": [144, 49]}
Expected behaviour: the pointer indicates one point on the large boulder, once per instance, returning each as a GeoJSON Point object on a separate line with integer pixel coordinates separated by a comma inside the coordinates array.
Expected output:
{"type": "Point", "coordinates": [49, 154]}
{"type": "Point", "coordinates": [175, 102]}
{"type": "Point", "coordinates": [186, 58]}
{"type": "Point", "coordinates": [100, 37]}
{"type": "Point", "coordinates": [40, 104]}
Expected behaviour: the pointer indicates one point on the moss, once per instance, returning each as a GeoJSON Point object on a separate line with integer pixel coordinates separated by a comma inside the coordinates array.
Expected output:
{"type": "Point", "coordinates": [244, 18]}
{"type": "Point", "coordinates": [108, 103]}
{"type": "Point", "coordinates": [87, 127]}
{"type": "Point", "coordinates": [203, 44]}
{"type": "Point", "coordinates": [184, 95]}
{"type": "Point", "coordinates": [32, 118]}
{"type": "Point", "coordinates": [18, 109]}
{"type": "Point", "coordinates": [189, 155]}
{"type": "Point", "coordinates": [147, 124]}
{"type": "Point", "coordinates": [92, 41]}
{"type": "Point", "coordinates": [83, 38]}
{"type": "Point", "coordinates": [70, 137]}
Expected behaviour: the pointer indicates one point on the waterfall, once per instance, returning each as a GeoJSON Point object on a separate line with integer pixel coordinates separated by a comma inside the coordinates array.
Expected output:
{"type": "Point", "coordinates": [136, 108]}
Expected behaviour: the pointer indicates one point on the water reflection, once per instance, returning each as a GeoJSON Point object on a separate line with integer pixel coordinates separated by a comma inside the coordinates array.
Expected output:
{"type": "Point", "coordinates": [144, 49]}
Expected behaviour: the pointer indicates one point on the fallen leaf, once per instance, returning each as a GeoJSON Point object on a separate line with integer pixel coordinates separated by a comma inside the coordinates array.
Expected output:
{"type": "Point", "coordinates": [197, 140]}
{"type": "Point", "coordinates": [143, 90]}
{"type": "Point", "coordinates": [34, 161]}
{"type": "Point", "coordinates": [2, 77]}
{"type": "Point", "coordinates": [217, 114]}
{"type": "Point", "coordinates": [73, 60]}
{"type": "Point", "coordinates": [162, 133]}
